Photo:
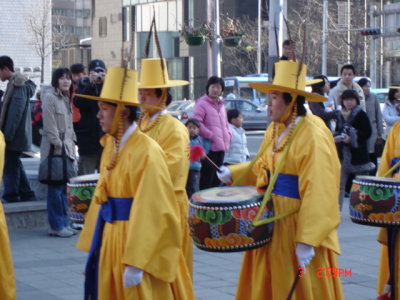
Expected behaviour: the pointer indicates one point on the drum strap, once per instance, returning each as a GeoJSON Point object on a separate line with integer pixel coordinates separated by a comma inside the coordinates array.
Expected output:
{"type": "Point", "coordinates": [271, 185]}
{"type": "Point", "coordinates": [394, 167]}
{"type": "Point", "coordinates": [115, 209]}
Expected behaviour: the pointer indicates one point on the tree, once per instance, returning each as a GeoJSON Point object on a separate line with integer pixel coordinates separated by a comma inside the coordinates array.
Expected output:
{"type": "Point", "coordinates": [242, 59]}
{"type": "Point", "coordinates": [310, 12]}
{"type": "Point", "coordinates": [47, 36]}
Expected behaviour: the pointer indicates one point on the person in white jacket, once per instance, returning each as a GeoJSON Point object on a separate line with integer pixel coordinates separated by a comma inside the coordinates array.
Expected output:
{"type": "Point", "coordinates": [237, 152]}
{"type": "Point", "coordinates": [391, 109]}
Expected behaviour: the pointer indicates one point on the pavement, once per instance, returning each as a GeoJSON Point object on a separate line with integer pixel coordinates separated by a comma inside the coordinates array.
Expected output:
{"type": "Point", "coordinates": [50, 268]}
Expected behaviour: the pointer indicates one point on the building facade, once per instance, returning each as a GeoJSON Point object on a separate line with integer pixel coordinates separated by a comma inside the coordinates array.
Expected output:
{"type": "Point", "coordinates": [17, 38]}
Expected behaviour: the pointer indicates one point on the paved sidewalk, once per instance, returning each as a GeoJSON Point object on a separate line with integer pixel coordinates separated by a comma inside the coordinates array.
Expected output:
{"type": "Point", "coordinates": [51, 268]}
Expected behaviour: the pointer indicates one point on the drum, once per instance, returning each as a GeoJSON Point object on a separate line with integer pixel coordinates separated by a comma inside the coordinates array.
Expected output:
{"type": "Point", "coordinates": [220, 219]}
{"type": "Point", "coordinates": [80, 191]}
{"type": "Point", "coordinates": [375, 201]}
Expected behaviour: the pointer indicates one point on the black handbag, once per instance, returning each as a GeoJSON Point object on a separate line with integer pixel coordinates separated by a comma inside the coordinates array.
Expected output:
{"type": "Point", "coordinates": [379, 146]}
{"type": "Point", "coordinates": [56, 169]}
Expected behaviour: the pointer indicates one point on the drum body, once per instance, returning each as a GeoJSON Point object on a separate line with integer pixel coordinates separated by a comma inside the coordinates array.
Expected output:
{"type": "Point", "coordinates": [220, 219]}
{"type": "Point", "coordinates": [375, 201]}
{"type": "Point", "coordinates": [80, 191]}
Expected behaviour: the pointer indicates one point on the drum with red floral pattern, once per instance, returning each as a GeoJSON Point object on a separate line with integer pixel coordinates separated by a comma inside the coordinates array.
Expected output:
{"type": "Point", "coordinates": [375, 201]}
{"type": "Point", "coordinates": [221, 218]}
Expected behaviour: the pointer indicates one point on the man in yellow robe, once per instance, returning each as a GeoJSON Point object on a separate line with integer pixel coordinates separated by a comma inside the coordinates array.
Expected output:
{"type": "Point", "coordinates": [132, 229]}
{"type": "Point", "coordinates": [170, 134]}
{"type": "Point", "coordinates": [301, 150]}
{"type": "Point", "coordinates": [7, 277]}
{"type": "Point", "coordinates": [390, 156]}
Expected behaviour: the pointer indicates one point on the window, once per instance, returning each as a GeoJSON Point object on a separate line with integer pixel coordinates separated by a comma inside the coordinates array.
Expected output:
{"type": "Point", "coordinates": [245, 106]}
{"type": "Point", "coordinates": [102, 26]}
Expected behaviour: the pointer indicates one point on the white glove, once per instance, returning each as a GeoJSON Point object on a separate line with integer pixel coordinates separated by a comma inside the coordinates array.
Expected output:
{"type": "Point", "coordinates": [132, 276]}
{"type": "Point", "coordinates": [225, 175]}
{"type": "Point", "coordinates": [304, 253]}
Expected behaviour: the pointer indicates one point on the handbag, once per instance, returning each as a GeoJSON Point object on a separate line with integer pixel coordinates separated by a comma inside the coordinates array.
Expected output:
{"type": "Point", "coordinates": [56, 169]}
{"type": "Point", "coordinates": [379, 146]}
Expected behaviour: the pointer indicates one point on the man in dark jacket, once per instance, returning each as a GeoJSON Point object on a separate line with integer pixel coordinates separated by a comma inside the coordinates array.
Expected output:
{"type": "Point", "coordinates": [15, 123]}
{"type": "Point", "coordinates": [88, 130]}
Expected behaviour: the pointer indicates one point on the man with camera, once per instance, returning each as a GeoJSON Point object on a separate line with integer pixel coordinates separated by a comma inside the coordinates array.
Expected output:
{"type": "Point", "coordinates": [88, 130]}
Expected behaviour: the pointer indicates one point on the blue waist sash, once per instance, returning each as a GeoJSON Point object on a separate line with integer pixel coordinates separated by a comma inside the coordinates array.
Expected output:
{"type": "Point", "coordinates": [115, 209]}
{"type": "Point", "coordinates": [286, 185]}
{"type": "Point", "coordinates": [393, 162]}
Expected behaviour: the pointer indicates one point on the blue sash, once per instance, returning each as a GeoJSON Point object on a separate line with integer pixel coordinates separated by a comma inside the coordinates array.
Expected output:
{"type": "Point", "coordinates": [286, 185]}
{"type": "Point", "coordinates": [393, 162]}
{"type": "Point", "coordinates": [115, 209]}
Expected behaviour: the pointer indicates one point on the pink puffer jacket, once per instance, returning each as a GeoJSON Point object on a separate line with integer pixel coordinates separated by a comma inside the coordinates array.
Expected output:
{"type": "Point", "coordinates": [214, 124]}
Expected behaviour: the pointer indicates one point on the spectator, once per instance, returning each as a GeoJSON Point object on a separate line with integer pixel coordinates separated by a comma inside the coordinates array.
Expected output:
{"type": "Point", "coordinates": [347, 74]}
{"type": "Point", "coordinates": [238, 151]}
{"type": "Point", "coordinates": [58, 131]}
{"type": "Point", "coordinates": [193, 180]}
{"type": "Point", "coordinates": [210, 111]}
{"type": "Point", "coordinates": [375, 117]}
{"type": "Point", "coordinates": [15, 123]}
{"type": "Point", "coordinates": [318, 108]}
{"type": "Point", "coordinates": [351, 136]}
{"type": "Point", "coordinates": [37, 121]}
{"type": "Point", "coordinates": [88, 130]}
{"type": "Point", "coordinates": [78, 72]}
{"type": "Point", "coordinates": [288, 50]}
{"type": "Point", "coordinates": [391, 108]}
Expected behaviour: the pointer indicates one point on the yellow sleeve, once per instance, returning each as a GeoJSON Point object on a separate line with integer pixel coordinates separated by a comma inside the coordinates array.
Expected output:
{"type": "Point", "coordinates": [319, 175]}
{"type": "Point", "coordinates": [174, 141]}
{"type": "Point", "coordinates": [154, 235]}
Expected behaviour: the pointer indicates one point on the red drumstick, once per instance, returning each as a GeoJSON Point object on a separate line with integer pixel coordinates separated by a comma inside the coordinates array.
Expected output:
{"type": "Point", "coordinates": [197, 152]}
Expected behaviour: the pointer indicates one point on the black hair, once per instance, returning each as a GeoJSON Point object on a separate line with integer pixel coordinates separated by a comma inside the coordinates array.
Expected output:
{"type": "Point", "coordinates": [159, 93]}
{"type": "Point", "coordinates": [350, 67]}
{"type": "Point", "coordinates": [300, 101]}
{"type": "Point", "coordinates": [391, 93]}
{"type": "Point", "coordinates": [317, 87]}
{"type": "Point", "coordinates": [77, 68]}
{"type": "Point", "coordinates": [233, 114]}
{"type": "Point", "coordinates": [134, 111]}
{"type": "Point", "coordinates": [287, 43]}
{"type": "Point", "coordinates": [193, 121]}
{"type": "Point", "coordinates": [349, 94]}
{"type": "Point", "coordinates": [57, 74]}
{"type": "Point", "coordinates": [214, 80]}
{"type": "Point", "coordinates": [6, 61]}
{"type": "Point", "coordinates": [363, 81]}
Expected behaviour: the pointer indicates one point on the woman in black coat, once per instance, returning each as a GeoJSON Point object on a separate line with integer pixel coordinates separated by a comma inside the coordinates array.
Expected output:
{"type": "Point", "coordinates": [351, 137]}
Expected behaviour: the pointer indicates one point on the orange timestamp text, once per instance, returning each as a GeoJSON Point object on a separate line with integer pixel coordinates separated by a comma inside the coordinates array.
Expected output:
{"type": "Point", "coordinates": [329, 272]}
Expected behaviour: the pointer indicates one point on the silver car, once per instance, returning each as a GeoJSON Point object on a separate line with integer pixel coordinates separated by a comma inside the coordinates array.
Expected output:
{"type": "Point", "coordinates": [254, 115]}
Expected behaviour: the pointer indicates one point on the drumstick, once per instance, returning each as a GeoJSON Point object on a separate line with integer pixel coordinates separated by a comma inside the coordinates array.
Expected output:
{"type": "Point", "coordinates": [197, 152]}
{"type": "Point", "coordinates": [296, 280]}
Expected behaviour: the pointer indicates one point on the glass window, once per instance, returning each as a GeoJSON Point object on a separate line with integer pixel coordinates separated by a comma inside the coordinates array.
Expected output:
{"type": "Point", "coordinates": [229, 104]}
{"type": "Point", "coordinates": [246, 93]}
{"type": "Point", "coordinates": [245, 106]}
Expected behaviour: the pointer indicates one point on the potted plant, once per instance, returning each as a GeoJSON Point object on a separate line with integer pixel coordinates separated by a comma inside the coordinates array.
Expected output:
{"type": "Point", "coordinates": [230, 31]}
{"type": "Point", "coordinates": [195, 35]}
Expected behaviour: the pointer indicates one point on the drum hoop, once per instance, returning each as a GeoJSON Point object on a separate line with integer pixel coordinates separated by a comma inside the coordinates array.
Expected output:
{"type": "Point", "coordinates": [380, 223]}
{"type": "Point", "coordinates": [227, 206]}
{"type": "Point", "coordinates": [77, 185]}
{"type": "Point", "coordinates": [234, 248]}
{"type": "Point", "coordinates": [375, 184]}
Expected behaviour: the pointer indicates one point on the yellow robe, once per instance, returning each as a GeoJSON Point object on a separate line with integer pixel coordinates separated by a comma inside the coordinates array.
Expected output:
{"type": "Point", "coordinates": [391, 151]}
{"type": "Point", "coordinates": [268, 272]}
{"type": "Point", "coordinates": [150, 240]}
{"type": "Point", "coordinates": [173, 138]}
{"type": "Point", "coordinates": [7, 277]}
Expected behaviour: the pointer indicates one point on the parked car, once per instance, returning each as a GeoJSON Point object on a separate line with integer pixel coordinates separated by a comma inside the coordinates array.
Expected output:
{"type": "Point", "coordinates": [176, 107]}
{"type": "Point", "coordinates": [182, 111]}
{"type": "Point", "coordinates": [381, 95]}
{"type": "Point", "coordinates": [254, 115]}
